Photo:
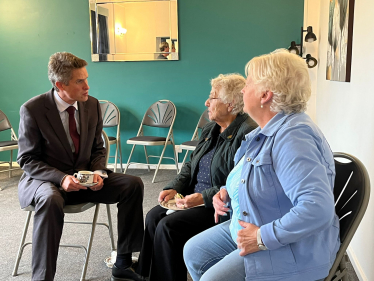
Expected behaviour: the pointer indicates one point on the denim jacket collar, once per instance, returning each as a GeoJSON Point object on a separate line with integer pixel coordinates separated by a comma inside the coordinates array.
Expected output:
{"type": "Point", "coordinates": [271, 127]}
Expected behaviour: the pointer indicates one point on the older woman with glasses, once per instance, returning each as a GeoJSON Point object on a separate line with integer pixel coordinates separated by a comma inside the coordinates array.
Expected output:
{"type": "Point", "coordinates": [161, 256]}
{"type": "Point", "coordinates": [283, 224]}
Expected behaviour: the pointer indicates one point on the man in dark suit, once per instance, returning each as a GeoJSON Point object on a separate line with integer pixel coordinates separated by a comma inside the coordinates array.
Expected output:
{"type": "Point", "coordinates": [60, 134]}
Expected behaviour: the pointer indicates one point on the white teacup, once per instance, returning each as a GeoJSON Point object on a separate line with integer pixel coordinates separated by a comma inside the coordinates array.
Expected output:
{"type": "Point", "coordinates": [84, 176]}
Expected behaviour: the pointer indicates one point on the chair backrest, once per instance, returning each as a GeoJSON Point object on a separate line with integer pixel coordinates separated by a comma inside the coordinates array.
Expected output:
{"type": "Point", "coordinates": [110, 114]}
{"type": "Point", "coordinates": [352, 193]}
{"type": "Point", "coordinates": [4, 122]}
{"type": "Point", "coordinates": [160, 114]}
{"type": "Point", "coordinates": [204, 119]}
{"type": "Point", "coordinates": [106, 145]}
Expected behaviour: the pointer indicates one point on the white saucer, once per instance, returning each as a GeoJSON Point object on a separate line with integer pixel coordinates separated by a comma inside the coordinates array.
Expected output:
{"type": "Point", "coordinates": [88, 184]}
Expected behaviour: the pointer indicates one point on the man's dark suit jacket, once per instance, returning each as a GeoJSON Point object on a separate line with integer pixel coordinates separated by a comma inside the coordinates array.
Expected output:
{"type": "Point", "coordinates": [44, 152]}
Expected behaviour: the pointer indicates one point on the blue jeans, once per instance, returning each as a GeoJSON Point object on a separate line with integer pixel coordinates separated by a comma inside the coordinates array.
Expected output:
{"type": "Point", "coordinates": [213, 255]}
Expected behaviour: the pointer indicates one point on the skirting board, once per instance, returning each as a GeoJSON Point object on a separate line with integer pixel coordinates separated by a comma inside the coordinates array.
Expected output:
{"type": "Point", "coordinates": [145, 166]}
{"type": "Point", "coordinates": [356, 265]}
{"type": "Point", "coordinates": [132, 166]}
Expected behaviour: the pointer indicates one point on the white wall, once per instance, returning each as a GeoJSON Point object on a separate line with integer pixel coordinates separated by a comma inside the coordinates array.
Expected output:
{"type": "Point", "coordinates": [345, 113]}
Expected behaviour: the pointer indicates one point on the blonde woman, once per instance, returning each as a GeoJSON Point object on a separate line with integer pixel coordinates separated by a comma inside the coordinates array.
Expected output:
{"type": "Point", "coordinates": [284, 226]}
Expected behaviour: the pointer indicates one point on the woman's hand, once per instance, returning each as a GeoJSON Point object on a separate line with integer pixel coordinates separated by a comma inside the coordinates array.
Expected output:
{"type": "Point", "coordinates": [247, 238]}
{"type": "Point", "coordinates": [166, 195]}
{"type": "Point", "coordinates": [190, 201]}
{"type": "Point", "coordinates": [220, 204]}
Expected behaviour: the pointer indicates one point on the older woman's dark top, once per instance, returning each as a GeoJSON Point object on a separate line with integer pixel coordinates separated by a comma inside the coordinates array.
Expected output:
{"type": "Point", "coordinates": [226, 145]}
{"type": "Point", "coordinates": [161, 256]}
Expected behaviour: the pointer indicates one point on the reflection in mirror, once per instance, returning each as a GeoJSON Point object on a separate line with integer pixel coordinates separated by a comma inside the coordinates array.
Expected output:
{"type": "Point", "coordinates": [134, 30]}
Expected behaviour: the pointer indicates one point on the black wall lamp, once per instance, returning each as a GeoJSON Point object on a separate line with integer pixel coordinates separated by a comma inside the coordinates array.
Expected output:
{"type": "Point", "coordinates": [298, 48]}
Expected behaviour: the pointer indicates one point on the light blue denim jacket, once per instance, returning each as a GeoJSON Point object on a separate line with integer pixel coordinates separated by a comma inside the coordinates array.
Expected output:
{"type": "Point", "coordinates": [286, 188]}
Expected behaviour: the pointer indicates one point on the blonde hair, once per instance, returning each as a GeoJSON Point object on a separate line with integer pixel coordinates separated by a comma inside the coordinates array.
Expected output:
{"type": "Point", "coordinates": [60, 67]}
{"type": "Point", "coordinates": [229, 88]}
{"type": "Point", "coordinates": [286, 75]}
{"type": "Point", "coordinates": [163, 46]}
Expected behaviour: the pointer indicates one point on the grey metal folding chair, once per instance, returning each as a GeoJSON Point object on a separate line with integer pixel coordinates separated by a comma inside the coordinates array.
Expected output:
{"type": "Point", "coordinates": [352, 193]}
{"type": "Point", "coordinates": [161, 114]}
{"type": "Point", "coordinates": [8, 145]}
{"type": "Point", "coordinates": [73, 209]}
{"type": "Point", "coordinates": [191, 145]}
{"type": "Point", "coordinates": [112, 118]}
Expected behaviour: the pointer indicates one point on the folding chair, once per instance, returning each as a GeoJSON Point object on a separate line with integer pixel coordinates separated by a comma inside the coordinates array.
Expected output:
{"type": "Point", "coordinates": [8, 145]}
{"type": "Point", "coordinates": [352, 193]}
{"type": "Point", "coordinates": [191, 145]}
{"type": "Point", "coordinates": [112, 118]}
{"type": "Point", "coordinates": [72, 209]}
{"type": "Point", "coordinates": [161, 114]}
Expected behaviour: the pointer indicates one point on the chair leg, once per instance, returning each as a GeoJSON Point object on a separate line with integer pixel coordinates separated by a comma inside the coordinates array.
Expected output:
{"type": "Point", "coordinates": [146, 157]}
{"type": "Point", "coordinates": [11, 163]}
{"type": "Point", "coordinates": [110, 227]}
{"type": "Point", "coordinates": [184, 160]}
{"type": "Point", "coordinates": [115, 158]}
{"type": "Point", "coordinates": [128, 161]}
{"type": "Point", "coordinates": [90, 241]}
{"type": "Point", "coordinates": [175, 155]}
{"type": "Point", "coordinates": [120, 154]}
{"type": "Point", "coordinates": [22, 244]}
{"type": "Point", "coordinates": [159, 162]}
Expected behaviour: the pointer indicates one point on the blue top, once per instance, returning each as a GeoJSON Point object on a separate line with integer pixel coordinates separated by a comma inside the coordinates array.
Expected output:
{"type": "Point", "coordinates": [232, 187]}
{"type": "Point", "coordinates": [286, 188]}
{"type": "Point", "coordinates": [203, 176]}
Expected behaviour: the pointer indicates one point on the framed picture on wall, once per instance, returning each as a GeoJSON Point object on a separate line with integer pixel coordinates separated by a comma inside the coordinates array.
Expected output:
{"type": "Point", "coordinates": [340, 36]}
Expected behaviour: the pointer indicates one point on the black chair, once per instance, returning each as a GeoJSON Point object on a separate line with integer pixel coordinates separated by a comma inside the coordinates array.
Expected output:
{"type": "Point", "coordinates": [351, 192]}
{"type": "Point", "coordinates": [191, 145]}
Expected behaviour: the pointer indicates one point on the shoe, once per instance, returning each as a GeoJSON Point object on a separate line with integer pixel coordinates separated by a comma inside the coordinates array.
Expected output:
{"type": "Point", "coordinates": [128, 274]}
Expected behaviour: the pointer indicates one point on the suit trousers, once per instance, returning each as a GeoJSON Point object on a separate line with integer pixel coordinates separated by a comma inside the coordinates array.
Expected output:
{"type": "Point", "coordinates": [49, 202]}
{"type": "Point", "coordinates": [161, 256]}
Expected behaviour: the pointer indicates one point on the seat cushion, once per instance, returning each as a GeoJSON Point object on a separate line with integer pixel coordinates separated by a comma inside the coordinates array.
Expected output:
{"type": "Point", "coordinates": [190, 143]}
{"type": "Point", "coordinates": [147, 138]}
{"type": "Point", "coordinates": [8, 143]}
{"type": "Point", "coordinates": [111, 138]}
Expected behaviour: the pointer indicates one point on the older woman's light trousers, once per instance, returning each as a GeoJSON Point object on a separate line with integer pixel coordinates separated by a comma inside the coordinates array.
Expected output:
{"type": "Point", "coordinates": [213, 256]}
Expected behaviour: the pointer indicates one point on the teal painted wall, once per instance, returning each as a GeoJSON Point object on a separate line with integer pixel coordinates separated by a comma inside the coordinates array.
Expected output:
{"type": "Point", "coordinates": [215, 36]}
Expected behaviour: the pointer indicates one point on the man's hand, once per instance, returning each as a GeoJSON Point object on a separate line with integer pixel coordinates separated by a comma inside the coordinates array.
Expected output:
{"type": "Point", "coordinates": [70, 183]}
{"type": "Point", "coordinates": [190, 201]}
{"type": "Point", "coordinates": [166, 195]}
{"type": "Point", "coordinates": [219, 203]}
{"type": "Point", "coordinates": [99, 185]}
{"type": "Point", "coordinates": [247, 238]}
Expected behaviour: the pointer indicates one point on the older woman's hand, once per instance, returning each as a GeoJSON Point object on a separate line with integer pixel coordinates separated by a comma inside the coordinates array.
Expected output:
{"type": "Point", "coordinates": [166, 195]}
{"type": "Point", "coordinates": [220, 204]}
{"type": "Point", "coordinates": [247, 238]}
{"type": "Point", "coordinates": [190, 201]}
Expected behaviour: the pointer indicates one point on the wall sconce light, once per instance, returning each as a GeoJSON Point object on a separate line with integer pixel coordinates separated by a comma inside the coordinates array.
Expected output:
{"type": "Point", "coordinates": [293, 49]}
{"type": "Point", "coordinates": [310, 61]}
{"type": "Point", "coordinates": [120, 30]}
{"type": "Point", "coordinates": [298, 48]}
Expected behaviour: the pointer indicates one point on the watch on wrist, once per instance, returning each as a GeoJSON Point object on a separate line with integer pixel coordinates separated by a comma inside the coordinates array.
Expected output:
{"type": "Point", "coordinates": [260, 244]}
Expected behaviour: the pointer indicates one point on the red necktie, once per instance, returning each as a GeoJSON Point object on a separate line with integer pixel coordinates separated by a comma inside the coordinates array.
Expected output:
{"type": "Point", "coordinates": [73, 129]}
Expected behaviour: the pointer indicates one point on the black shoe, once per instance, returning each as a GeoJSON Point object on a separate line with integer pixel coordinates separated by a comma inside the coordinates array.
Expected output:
{"type": "Point", "coordinates": [128, 274]}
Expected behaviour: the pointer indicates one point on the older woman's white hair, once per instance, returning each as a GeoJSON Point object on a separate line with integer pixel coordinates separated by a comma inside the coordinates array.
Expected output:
{"type": "Point", "coordinates": [286, 75]}
{"type": "Point", "coordinates": [229, 88]}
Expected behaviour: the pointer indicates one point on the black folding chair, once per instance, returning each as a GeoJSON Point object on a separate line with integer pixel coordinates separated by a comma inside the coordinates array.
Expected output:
{"type": "Point", "coordinates": [352, 193]}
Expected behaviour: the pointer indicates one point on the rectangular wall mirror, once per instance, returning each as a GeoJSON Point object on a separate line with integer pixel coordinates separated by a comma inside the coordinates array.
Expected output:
{"type": "Point", "coordinates": [134, 30]}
